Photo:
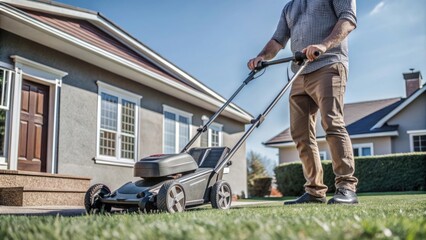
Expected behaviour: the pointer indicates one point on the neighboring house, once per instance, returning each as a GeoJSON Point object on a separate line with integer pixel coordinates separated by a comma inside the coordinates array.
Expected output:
{"type": "Point", "coordinates": [80, 96]}
{"type": "Point", "coordinates": [377, 127]}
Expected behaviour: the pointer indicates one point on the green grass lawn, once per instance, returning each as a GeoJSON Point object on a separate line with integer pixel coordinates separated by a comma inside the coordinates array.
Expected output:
{"type": "Point", "coordinates": [377, 216]}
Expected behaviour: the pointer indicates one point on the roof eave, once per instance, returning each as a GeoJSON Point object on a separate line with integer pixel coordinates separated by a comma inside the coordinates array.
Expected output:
{"type": "Point", "coordinates": [233, 112]}
{"type": "Point", "coordinates": [322, 139]}
{"type": "Point", "coordinates": [407, 101]}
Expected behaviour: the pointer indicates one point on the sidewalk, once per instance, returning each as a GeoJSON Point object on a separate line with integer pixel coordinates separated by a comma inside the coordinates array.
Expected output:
{"type": "Point", "coordinates": [43, 210]}
{"type": "Point", "coordinates": [79, 210]}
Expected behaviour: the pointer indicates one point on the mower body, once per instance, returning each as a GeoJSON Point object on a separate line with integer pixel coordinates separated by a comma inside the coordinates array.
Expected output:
{"type": "Point", "coordinates": [193, 172]}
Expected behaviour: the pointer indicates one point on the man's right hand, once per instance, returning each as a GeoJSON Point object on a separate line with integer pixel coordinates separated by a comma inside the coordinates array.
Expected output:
{"type": "Point", "coordinates": [252, 63]}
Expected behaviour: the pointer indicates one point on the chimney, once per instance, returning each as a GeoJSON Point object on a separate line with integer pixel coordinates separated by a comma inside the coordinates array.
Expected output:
{"type": "Point", "coordinates": [413, 81]}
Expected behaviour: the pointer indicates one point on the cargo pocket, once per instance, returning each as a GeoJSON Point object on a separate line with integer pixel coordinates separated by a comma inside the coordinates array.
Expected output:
{"type": "Point", "coordinates": [343, 77]}
{"type": "Point", "coordinates": [331, 81]}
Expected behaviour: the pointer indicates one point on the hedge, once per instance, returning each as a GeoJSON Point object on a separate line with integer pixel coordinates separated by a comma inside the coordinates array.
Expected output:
{"type": "Point", "coordinates": [261, 187]}
{"type": "Point", "coordinates": [396, 172]}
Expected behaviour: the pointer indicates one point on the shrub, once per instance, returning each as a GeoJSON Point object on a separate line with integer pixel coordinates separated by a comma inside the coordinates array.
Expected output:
{"type": "Point", "coordinates": [396, 172]}
{"type": "Point", "coordinates": [261, 187]}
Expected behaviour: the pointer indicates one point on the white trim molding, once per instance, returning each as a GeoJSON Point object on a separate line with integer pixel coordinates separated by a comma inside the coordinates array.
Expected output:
{"type": "Point", "coordinates": [45, 75]}
{"type": "Point", "coordinates": [413, 133]}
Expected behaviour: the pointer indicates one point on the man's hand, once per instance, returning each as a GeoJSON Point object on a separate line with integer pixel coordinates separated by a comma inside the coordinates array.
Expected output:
{"type": "Point", "coordinates": [252, 63]}
{"type": "Point", "coordinates": [340, 31]}
{"type": "Point", "coordinates": [269, 51]}
{"type": "Point", "coordinates": [311, 49]}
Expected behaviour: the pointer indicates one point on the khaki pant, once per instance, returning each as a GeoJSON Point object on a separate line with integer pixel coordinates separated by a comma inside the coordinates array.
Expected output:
{"type": "Point", "coordinates": [324, 90]}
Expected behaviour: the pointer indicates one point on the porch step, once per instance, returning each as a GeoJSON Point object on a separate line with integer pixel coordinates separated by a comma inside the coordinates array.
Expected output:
{"type": "Point", "coordinates": [21, 188]}
{"type": "Point", "coordinates": [20, 196]}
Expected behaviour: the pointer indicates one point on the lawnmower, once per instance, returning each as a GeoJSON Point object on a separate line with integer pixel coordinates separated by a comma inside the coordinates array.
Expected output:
{"type": "Point", "coordinates": [193, 177]}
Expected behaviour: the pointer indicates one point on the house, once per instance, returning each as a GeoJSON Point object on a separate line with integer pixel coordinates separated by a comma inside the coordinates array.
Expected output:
{"type": "Point", "coordinates": [82, 99]}
{"type": "Point", "coordinates": [377, 127]}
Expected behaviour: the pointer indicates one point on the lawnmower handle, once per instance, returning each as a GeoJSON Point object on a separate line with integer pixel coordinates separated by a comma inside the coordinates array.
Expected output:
{"type": "Point", "coordinates": [298, 57]}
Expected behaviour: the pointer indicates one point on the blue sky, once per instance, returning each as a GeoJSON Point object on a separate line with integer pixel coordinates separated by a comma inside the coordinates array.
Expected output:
{"type": "Point", "coordinates": [212, 40]}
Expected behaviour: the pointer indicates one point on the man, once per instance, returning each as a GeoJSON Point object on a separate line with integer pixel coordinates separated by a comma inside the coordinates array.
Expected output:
{"type": "Point", "coordinates": [323, 26]}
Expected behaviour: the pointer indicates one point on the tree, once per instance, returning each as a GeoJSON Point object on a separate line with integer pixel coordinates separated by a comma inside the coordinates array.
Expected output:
{"type": "Point", "coordinates": [255, 170]}
{"type": "Point", "coordinates": [255, 167]}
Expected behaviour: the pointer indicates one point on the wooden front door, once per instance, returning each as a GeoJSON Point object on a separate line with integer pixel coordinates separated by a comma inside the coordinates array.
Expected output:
{"type": "Point", "coordinates": [32, 155]}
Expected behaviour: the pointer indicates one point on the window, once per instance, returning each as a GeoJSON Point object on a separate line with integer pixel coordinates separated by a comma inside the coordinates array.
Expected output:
{"type": "Point", "coordinates": [5, 79]}
{"type": "Point", "coordinates": [417, 140]}
{"type": "Point", "coordinates": [213, 137]}
{"type": "Point", "coordinates": [177, 127]}
{"type": "Point", "coordinates": [419, 143]}
{"type": "Point", "coordinates": [5, 83]}
{"type": "Point", "coordinates": [323, 155]}
{"type": "Point", "coordinates": [363, 149]}
{"type": "Point", "coordinates": [118, 126]}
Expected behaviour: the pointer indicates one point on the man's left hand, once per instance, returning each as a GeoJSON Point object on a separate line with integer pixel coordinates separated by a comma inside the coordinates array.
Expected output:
{"type": "Point", "coordinates": [311, 49]}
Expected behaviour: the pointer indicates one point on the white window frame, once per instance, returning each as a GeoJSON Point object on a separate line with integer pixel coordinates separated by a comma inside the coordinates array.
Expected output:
{"type": "Point", "coordinates": [363, 145]}
{"type": "Point", "coordinates": [121, 94]}
{"type": "Point", "coordinates": [177, 113]}
{"type": "Point", "coordinates": [324, 153]}
{"type": "Point", "coordinates": [3, 163]}
{"type": "Point", "coordinates": [217, 127]}
{"type": "Point", "coordinates": [6, 91]}
{"type": "Point", "coordinates": [413, 133]}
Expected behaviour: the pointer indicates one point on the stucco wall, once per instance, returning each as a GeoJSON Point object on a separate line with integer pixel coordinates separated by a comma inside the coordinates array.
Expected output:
{"type": "Point", "coordinates": [412, 117]}
{"type": "Point", "coordinates": [288, 154]}
{"type": "Point", "coordinates": [78, 115]}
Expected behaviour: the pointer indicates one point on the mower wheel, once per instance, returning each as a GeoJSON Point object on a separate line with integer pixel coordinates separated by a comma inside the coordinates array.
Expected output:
{"type": "Point", "coordinates": [221, 195]}
{"type": "Point", "coordinates": [171, 197]}
{"type": "Point", "coordinates": [92, 199]}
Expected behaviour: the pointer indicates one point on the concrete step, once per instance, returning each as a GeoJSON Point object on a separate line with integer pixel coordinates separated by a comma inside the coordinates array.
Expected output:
{"type": "Point", "coordinates": [11, 178]}
{"type": "Point", "coordinates": [21, 188]}
{"type": "Point", "coordinates": [21, 196]}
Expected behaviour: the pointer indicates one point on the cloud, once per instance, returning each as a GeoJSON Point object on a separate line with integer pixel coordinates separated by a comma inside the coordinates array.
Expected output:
{"type": "Point", "coordinates": [377, 8]}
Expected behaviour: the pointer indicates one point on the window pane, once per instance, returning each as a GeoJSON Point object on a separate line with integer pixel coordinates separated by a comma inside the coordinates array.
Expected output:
{"type": "Point", "coordinates": [366, 151]}
{"type": "Point", "coordinates": [356, 152]}
{"type": "Point", "coordinates": [128, 117]}
{"type": "Point", "coordinates": [107, 143]}
{"type": "Point", "coordinates": [5, 77]}
{"type": "Point", "coordinates": [2, 131]}
{"type": "Point", "coordinates": [423, 143]}
{"type": "Point", "coordinates": [183, 131]}
{"type": "Point", "coordinates": [109, 112]}
{"type": "Point", "coordinates": [169, 132]}
{"type": "Point", "coordinates": [215, 138]}
{"type": "Point", "coordinates": [419, 143]}
{"type": "Point", "coordinates": [127, 147]}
